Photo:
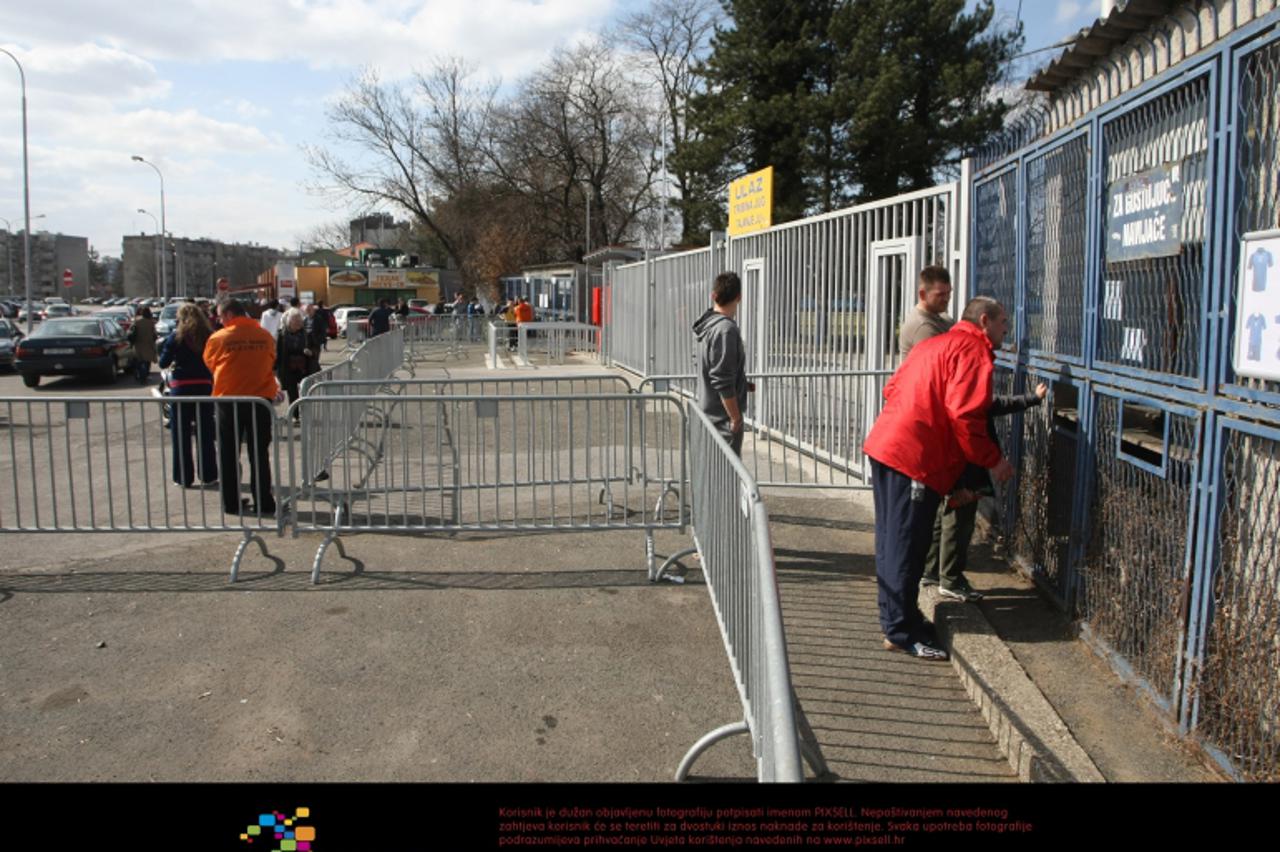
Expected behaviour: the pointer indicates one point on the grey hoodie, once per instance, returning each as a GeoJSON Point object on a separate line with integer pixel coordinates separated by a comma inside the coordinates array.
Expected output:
{"type": "Point", "coordinates": [722, 367]}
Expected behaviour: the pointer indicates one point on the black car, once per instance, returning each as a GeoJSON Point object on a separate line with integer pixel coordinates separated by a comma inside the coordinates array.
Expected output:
{"type": "Point", "coordinates": [73, 346]}
{"type": "Point", "coordinates": [9, 337]}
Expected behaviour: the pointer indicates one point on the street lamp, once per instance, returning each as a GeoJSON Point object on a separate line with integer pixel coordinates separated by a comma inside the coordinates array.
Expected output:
{"type": "Point", "coordinates": [164, 266]}
{"type": "Point", "coordinates": [26, 187]}
{"type": "Point", "coordinates": [159, 251]}
{"type": "Point", "coordinates": [8, 231]}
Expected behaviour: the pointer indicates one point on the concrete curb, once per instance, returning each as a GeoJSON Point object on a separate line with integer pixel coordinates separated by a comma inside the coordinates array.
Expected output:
{"type": "Point", "coordinates": [1028, 731]}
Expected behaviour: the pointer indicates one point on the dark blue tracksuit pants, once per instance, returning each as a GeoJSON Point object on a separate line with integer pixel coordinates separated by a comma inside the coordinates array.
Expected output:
{"type": "Point", "coordinates": [904, 531]}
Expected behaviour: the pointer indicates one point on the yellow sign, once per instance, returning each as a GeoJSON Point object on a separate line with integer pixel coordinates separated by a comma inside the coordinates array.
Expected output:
{"type": "Point", "coordinates": [751, 202]}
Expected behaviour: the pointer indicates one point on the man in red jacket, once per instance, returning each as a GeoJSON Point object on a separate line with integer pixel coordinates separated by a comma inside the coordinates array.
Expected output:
{"type": "Point", "coordinates": [934, 422]}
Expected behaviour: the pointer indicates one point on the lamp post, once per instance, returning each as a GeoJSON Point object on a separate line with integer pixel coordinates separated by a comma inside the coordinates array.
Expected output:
{"type": "Point", "coordinates": [26, 188]}
{"type": "Point", "coordinates": [164, 265]}
{"type": "Point", "coordinates": [8, 232]}
{"type": "Point", "coordinates": [159, 252]}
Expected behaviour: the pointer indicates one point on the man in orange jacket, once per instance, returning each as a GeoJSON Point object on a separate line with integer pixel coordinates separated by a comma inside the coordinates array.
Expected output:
{"type": "Point", "coordinates": [242, 357]}
{"type": "Point", "coordinates": [934, 422]}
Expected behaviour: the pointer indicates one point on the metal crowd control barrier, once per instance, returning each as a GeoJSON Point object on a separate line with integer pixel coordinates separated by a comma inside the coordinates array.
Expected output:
{"type": "Point", "coordinates": [82, 464]}
{"type": "Point", "coordinates": [543, 342]}
{"type": "Point", "coordinates": [731, 534]}
{"type": "Point", "coordinates": [804, 429]}
{"type": "Point", "coordinates": [436, 463]}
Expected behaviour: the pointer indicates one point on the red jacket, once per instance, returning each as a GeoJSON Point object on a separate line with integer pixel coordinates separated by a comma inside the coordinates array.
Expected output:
{"type": "Point", "coordinates": [935, 415]}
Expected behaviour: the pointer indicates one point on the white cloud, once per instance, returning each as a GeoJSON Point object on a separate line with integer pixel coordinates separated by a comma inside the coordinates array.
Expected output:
{"type": "Point", "coordinates": [1068, 10]}
{"type": "Point", "coordinates": [507, 37]}
{"type": "Point", "coordinates": [246, 109]}
{"type": "Point", "coordinates": [96, 75]}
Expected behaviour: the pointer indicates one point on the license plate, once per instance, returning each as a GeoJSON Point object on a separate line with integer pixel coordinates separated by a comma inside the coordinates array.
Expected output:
{"type": "Point", "coordinates": [59, 351]}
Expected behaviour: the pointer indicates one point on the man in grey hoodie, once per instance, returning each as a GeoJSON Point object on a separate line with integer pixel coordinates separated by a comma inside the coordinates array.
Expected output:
{"type": "Point", "coordinates": [722, 361]}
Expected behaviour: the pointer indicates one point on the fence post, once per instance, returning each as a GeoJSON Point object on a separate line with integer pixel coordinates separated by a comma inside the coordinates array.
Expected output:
{"type": "Point", "coordinates": [650, 318]}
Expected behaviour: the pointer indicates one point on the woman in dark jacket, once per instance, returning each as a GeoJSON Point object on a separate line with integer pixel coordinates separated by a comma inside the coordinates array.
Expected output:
{"type": "Point", "coordinates": [184, 351]}
{"type": "Point", "coordinates": [296, 354]}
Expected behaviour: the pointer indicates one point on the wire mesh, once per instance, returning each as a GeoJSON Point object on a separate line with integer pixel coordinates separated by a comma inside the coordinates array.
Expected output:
{"type": "Point", "coordinates": [1057, 193]}
{"type": "Point", "coordinates": [1135, 592]}
{"type": "Point", "coordinates": [1003, 381]}
{"type": "Point", "coordinates": [1239, 692]}
{"type": "Point", "coordinates": [1041, 538]}
{"type": "Point", "coordinates": [1151, 314]}
{"type": "Point", "coordinates": [1257, 206]}
{"type": "Point", "coordinates": [995, 245]}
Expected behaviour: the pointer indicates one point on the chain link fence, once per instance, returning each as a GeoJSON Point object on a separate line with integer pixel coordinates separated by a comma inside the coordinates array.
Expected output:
{"type": "Point", "coordinates": [1152, 305]}
{"type": "Point", "coordinates": [1057, 200]}
{"type": "Point", "coordinates": [1238, 699]}
{"type": "Point", "coordinates": [1135, 581]}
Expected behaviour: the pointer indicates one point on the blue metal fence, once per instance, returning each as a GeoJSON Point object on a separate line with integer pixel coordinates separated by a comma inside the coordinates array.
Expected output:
{"type": "Point", "coordinates": [1147, 502]}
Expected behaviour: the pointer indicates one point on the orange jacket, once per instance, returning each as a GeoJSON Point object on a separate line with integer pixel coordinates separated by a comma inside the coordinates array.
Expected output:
{"type": "Point", "coordinates": [242, 358]}
{"type": "Point", "coordinates": [935, 415]}
{"type": "Point", "coordinates": [524, 312]}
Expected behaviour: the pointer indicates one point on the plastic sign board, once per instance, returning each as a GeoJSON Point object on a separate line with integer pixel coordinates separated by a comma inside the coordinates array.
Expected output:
{"type": "Point", "coordinates": [751, 202]}
{"type": "Point", "coordinates": [286, 281]}
{"type": "Point", "coordinates": [68, 280]}
{"type": "Point", "coordinates": [1256, 347]}
{"type": "Point", "coordinates": [1144, 214]}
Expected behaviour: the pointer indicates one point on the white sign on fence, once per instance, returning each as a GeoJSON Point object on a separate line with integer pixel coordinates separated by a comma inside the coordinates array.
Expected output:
{"type": "Point", "coordinates": [1256, 352]}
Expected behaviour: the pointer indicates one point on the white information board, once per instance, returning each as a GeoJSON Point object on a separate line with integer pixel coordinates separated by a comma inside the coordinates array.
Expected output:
{"type": "Point", "coordinates": [1256, 349]}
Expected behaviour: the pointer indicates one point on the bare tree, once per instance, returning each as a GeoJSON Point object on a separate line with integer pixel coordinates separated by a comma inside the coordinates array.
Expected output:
{"type": "Point", "coordinates": [579, 134]}
{"type": "Point", "coordinates": [418, 145]}
{"type": "Point", "coordinates": [330, 235]}
{"type": "Point", "coordinates": [670, 38]}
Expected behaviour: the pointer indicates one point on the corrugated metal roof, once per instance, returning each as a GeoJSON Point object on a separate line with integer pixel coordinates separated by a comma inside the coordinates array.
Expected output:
{"type": "Point", "coordinates": [1098, 41]}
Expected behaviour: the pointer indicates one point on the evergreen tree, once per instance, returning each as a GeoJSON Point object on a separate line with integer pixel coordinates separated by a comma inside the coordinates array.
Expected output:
{"type": "Point", "coordinates": [846, 99]}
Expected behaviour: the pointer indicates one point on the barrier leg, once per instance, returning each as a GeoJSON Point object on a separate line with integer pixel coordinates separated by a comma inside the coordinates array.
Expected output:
{"type": "Point", "coordinates": [721, 733]}
{"type": "Point", "coordinates": [249, 535]}
{"type": "Point", "coordinates": [331, 537]}
{"type": "Point", "coordinates": [666, 566]}
{"type": "Point", "coordinates": [809, 748]}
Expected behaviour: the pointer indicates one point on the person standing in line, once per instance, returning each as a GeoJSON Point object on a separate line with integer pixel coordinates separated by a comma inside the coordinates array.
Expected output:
{"type": "Point", "coordinates": [721, 361]}
{"type": "Point", "coordinates": [509, 317]}
{"type": "Point", "coordinates": [142, 334]}
{"type": "Point", "coordinates": [270, 319]}
{"type": "Point", "coordinates": [296, 355]}
{"type": "Point", "coordinates": [325, 320]}
{"type": "Point", "coordinates": [380, 319]}
{"type": "Point", "coordinates": [929, 318]}
{"type": "Point", "coordinates": [183, 350]}
{"type": "Point", "coordinates": [934, 422]}
{"type": "Point", "coordinates": [242, 359]}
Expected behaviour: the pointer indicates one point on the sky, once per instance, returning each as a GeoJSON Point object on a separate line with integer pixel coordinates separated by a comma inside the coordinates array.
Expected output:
{"type": "Point", "coordinates": [221, 94]}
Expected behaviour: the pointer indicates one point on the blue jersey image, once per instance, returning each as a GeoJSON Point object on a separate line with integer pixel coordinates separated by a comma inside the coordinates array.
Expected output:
{"type": "Point", "coordinates": [1260, 261]}
{"type": "Point", "coordinates": [1255, 323]}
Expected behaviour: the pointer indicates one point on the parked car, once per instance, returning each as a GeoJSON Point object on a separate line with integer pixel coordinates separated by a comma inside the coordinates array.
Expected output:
{"type": "Point", "coordinates": [168, 320]}
{"type": "Point", "coordinates": [54, 310]}
{"type": "Point", "coordinates": [344, 315]}
{"type": "Point", "coordinates": [123, 316]}
{"type": "Point", "coordinates": [10, 334]}
{"type": "Point", "coordinates": [35, 308]}
{"type": "Point", "coordinates": [73, 346]}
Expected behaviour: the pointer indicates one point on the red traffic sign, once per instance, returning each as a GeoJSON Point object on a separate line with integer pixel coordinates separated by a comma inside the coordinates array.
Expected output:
{"type": "Point", "coordinates": [68, 280]}
{"type": "Point", "coordinates": [224, 284]}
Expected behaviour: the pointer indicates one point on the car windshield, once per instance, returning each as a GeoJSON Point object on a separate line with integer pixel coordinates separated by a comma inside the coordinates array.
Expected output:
{"type": "Point", "coordinates": [69, 328]}
{"type": "Point", "coordinates": [169, 312]}
{"type": "Point", "coordinates": [5, 331]}
{"type": "Point", "coordinates": [114, 314]}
